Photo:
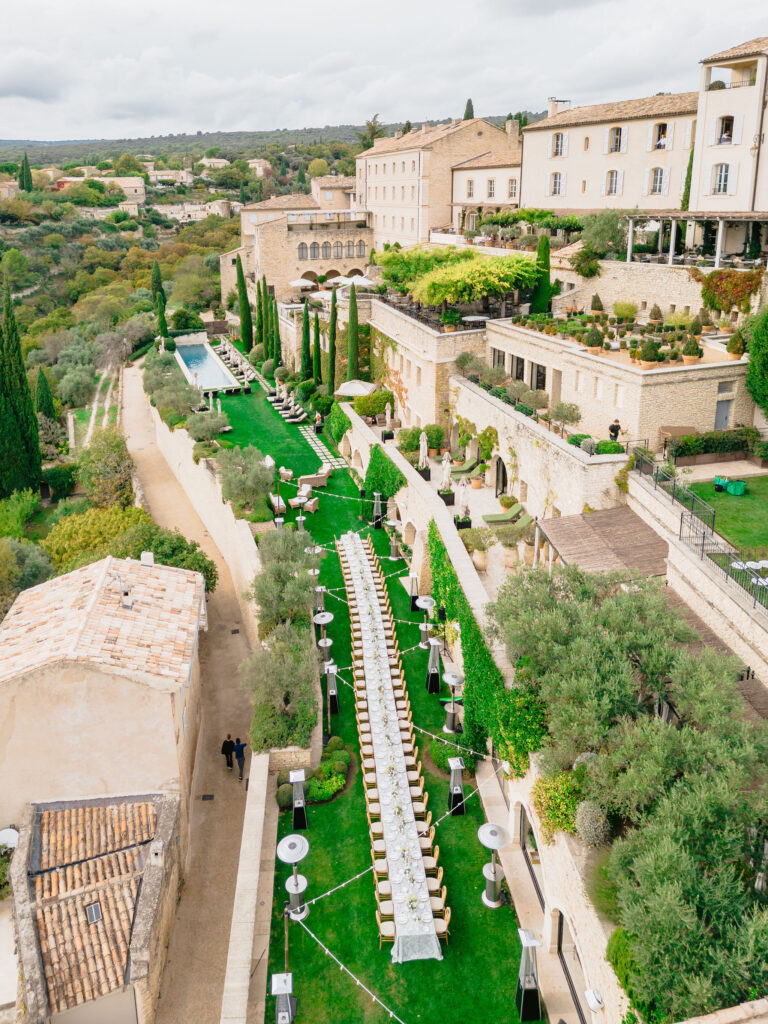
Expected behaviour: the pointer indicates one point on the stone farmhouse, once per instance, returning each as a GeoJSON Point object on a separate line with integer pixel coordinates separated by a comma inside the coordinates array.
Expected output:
{"type": "Point", "coordinates": [261, 167]}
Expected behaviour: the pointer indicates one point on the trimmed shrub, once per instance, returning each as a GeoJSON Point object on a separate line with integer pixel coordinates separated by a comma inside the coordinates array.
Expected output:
{"type": "Point", "coordinates": [714, 441]}
{"type": "Point", "coordinates": [334, 743]}
{"type": "Point", "coordinates": [285, 796]}
{"type": "Point", "coordinates": [338, 423]}
{"type": "Point", "coordinates": [555, 799]}
{"type": "Point", "coordinates": [597, 304]}
{"type": "Point", "coordinates": [321, 791]}
{"type": "Point", "coordinates": [322, 403]}
{"type": "Point", "coordinates": [374, 404]}
{"type": "Point", "coordinates": [382, 476]}
{"type": "Point", "coordinates": [576, 439]}
{"type": "Point", "coordinates": [626, 310]}
{"type": "Point", "coordinates": [656, 313]}
{"type": "Point", "coordinates": [608, 448]}
{"type": "Point", "coordinates": [591, 824]}
{"type": "Point", "coordinates": [268, 369]}
{"type": "Point", "coordinates": [61, 479]}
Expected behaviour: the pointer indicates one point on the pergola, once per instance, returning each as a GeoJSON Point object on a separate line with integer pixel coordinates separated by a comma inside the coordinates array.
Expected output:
{"type": "Point", "coordinates": [679, 217]}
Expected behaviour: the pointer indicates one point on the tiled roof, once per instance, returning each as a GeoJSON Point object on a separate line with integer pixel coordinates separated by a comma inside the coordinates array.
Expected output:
{"type": "Point", "coordinates": [422, 139]}
{"type": "Point", "coordinates": [335, 181]}
{"type": "Point", "coordinates": [88, 854]}
{"type": "Point", "coordinates": [752, 48]}
{"type": "Point", "coordinates": [512, 159]}
{"type": "Point", "coordinates": [624, 110]}
{"type": "Point", "coordinates": [80, 617]}
{"type": "Point", "coordinates": [293, 201]}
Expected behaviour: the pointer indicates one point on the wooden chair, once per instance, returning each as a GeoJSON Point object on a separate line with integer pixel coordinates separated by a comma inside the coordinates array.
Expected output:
{"type": "Point", "coordinates": [426, 841]}
{"type": "Point", "coordinates": [438, 903]}
{"type": "Point", "coordinates": [379, 847]}
{"type": "Point", "coordinates": [441, 925]}
{"type": "Point", "coordinates": [386, 908]}
{"type": "Point", "coordinates": [386, 930]}
{"type": "Point", "coordinates": [420, 806]}
{"type": "Point", "coordinates": [430, 862]}
{"type": "Point", "coordinates": [417, 789]}
{"type": "Point", "coordinates": [384, 889]}
{"type": "Point", "coordinates": [413, 776]}
{"type": "Point", "coordinates": [433, 884]}
{"type": "Point", "coordinates": [380, 870]}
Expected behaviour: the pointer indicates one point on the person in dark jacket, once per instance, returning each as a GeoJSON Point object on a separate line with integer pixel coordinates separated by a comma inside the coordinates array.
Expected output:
{"type": "Point", "coordinates": [240, 756]}
{"type": "Point", "coordinates": [613, 430]}
{"type": "Point", "coordinates": [226, 748]}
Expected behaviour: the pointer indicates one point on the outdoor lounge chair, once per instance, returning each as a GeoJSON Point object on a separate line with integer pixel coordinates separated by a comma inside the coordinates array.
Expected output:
{"type": "Point", "coordinates": [311, 505]}
{"type": "Point", "coordinates": [525, 520]}
{"type": "Point", "coordinates": [277, 503]}
{"type": "Point", "coordinates": [464, 468]}
{"type": "Point", "coordinates": [298, 418]}
{"type": "Point", "coordinates": [319, 479]}
{"type": "Point", "coordinates": [303, 492]}
{"type": "Point", "coordinates": [509, 516]}
{"type": "Point", "coordinates": [285, 474]}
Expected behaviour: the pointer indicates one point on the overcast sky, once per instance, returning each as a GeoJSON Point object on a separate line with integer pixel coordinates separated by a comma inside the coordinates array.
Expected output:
{"type": "Point", "coordinates": [78, 69]}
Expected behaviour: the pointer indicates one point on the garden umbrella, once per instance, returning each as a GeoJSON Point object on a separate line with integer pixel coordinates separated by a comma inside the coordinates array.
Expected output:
{"type": "Point", "coordinates": [423, 450]}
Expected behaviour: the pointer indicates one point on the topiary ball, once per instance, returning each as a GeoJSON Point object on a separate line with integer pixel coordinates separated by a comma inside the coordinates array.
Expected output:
{"type": "Point", "coordinates": [340, 768]}
{"type": "Point", "coordinates": [285, 797]}
{"type": "Point", "coordinates": [283, 778]}
{"type": "Point", "coordinates": [334, 743]}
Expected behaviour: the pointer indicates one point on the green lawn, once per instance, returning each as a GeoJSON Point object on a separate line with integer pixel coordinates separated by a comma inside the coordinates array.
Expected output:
{"type": "Point", "coordinates": [477, 977]}
{"type": "Point", "coordinates": [82, 419]}
{"type": "Point", "coordinates": [743, 521]}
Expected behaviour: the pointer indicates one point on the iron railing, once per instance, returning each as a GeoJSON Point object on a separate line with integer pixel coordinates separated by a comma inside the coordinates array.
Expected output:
{"type": "Point", "coordinates": [677, 492]}
{"type": "Point", "coordinates": [727, 560]}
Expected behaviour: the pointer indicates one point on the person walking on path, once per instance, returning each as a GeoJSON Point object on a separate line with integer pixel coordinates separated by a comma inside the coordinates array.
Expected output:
{"type": "Point", "coordinates": [239, 749]}
{"type": "Point", "coordinates": [613, 430]}
{"type": "Point", "coordinates": [227, 748]}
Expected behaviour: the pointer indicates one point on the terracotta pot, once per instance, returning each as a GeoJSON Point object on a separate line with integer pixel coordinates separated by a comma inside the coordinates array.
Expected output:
{"type": "Point", "coordinates": [727, 330]}
{"type": "Point", "coordinates": [432, 452]}
{"type": "Point", "coordinates": [480, 559]}
{"type": "Point", "coordinates": [510, 557]}
{"type": "Point", "coordinates": [450, 328]}
{"type": "Point", "coordinates": [528, 551]}
{"type": "Point", "coordinates": [691, 360]}
{"type": "Point", "coordinates": [734, 356]}
{"type": "Point", "coordinates": [594, 350]}
{"type": "Point", "coordinates": [645, 365]}
{"type": "Point", "coordinates": [477, 483]}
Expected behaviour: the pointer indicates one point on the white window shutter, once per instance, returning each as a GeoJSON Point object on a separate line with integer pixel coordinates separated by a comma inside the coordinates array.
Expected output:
{"type": "Point", "coordinates": [620, 182]}
{"type": "Point", "coordinates": [706, 181]}
{"type": "Point", "coordinates": [624, 139]}
{"type": "Point", "coordinates": [688, 134]}
{"type": "Point", "coordinates": [606, 139]}
{"type": "Point", "coordinates": [711, 132]}
{"type": "Point", "coordinates": [683, 176]}
{"type": "Point", "coordinates": [733, 179]}
{"type": "Point", "coordinates": [738, 127]}
{"type": "Point", "coordinates": [549, 146]}
{"type": "Point", "coordinates": [646, 177]}
{"type": "Point", "coordinates": [670, 134]}
{"type": "Point", "coordinates": [665, 182]}
{"type": "Point", "coordinates": [649, 141]}
{"type": "Point", "coordinates": [602, 185]}
{"type": "Point", "coordinates": [546, 184]}
{"type": "Point", "coordinates": [563, 178]}
{"type": "Point", "coordinates": [565, 143]}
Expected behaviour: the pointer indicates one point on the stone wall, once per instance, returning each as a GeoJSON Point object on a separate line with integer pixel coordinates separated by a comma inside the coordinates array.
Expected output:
{"type": "Point", "coordinates": [549, 475]}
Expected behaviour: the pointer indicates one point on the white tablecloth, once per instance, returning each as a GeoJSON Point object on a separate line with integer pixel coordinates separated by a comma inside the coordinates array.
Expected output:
{"type": "Point", "coordinates": [415, 936]}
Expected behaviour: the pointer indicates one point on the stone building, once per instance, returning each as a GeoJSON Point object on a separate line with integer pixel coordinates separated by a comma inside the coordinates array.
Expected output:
{"type": "Point", "coordinates": [261, 167]}
{"type": "Point", "coordinates": [483, 185]}
{"type": "Point", "coordinates": [95, 884]}
{"type": "Point", "coordinates": [100, 667]}
{"type": "Point", "coordinates": [406, 182]}
{"type": "Point", "coordinates": [166, 176]}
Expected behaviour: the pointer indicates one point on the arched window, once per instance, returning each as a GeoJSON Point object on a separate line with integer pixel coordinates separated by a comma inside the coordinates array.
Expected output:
{"type": "Point", "coordinates": [361, 248]}
{"type": "Point", "coordinates": [303, 253]}
{"type": "Point", "coordinates": [314, 251]}
{"type": "Point", "coordinates": [557, 144]}
{"type": "Point", "coordinates": [326, 250]}
{"type": "Point", "coordinates": [338, 250]}
{"type": "Point", "coordinates": [350, 249]}
{"type": "Point", "coordinates": [556, 184]}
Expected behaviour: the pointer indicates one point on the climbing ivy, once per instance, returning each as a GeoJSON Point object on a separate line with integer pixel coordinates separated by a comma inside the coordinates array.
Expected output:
{"type": "Point", "coordinates": [338, 422]}
{"type": "Point", "coordinates": [383, 476]}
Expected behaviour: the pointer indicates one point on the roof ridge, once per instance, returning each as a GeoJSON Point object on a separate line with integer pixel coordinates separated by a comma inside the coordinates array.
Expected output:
{"type": "Point", "coordinates": [89, 608]}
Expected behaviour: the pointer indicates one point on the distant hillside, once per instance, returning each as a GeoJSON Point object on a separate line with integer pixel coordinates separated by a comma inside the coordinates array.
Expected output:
{"type": "Point", "coordinates": [232, 144]}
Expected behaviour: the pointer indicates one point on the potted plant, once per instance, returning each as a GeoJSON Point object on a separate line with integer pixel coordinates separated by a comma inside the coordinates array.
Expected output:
{"type": "Point", "coordinates": [450, 318]}
{"type": "Point", "coordinates": [655, 317]}
{"type": "Point", "coordinates": [650, 354]}
{"type": "Point", "coordinates": [736, 346]}
{"type": "Point", "coordinates": [696, 327]}
{"type": "Point", "coordinates": [449, 496]}
{"type": "Point", "coordinates": [691, 351]}
{"type": "Point", "coordinates": [594, 341]}
{"type": "Point", "coordinates": [633, 354]}
{"type": "Point", "coordinates": [478, 479]}
{"type": "Point", "coordinates": [477, 541]}
{"type": "Point", "coordinates": [509, 537]}
{"type": "Point", "coordinates": [434, 434]}
{"type": "Point", "coordinates": [707, 327]}
{"type": "Point", "coordinates": [725, 325]}
{"type": "Point", "coordinates": [597, 304]}
{"type": "Point", "coordinates": [527, 540]}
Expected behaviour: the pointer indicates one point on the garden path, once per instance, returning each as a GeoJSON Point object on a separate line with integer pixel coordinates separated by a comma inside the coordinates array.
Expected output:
{"type": "Point", "coordinates": [193, 979]}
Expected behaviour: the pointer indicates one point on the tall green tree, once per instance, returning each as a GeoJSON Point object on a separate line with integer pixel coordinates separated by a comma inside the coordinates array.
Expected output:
{"type": "Point", "coordinates": [332, 346]}
{"type": "Point", "coordinates": [162, 323]}
{"type": "Point", "coordinates": [20, 460]}
{"type": "Point", "coordinates": [317, 371]}
{"type": "Point", "coordinates": [25, 175]}
{"type": "Point", "coordinates": [266, 327]}
{"type": "Point", "coordinates": [156, 283]}
{"type": "Point", "coordinates": [258, 338]}
{"type": "Point", "coordinates": [301, 177]}
{"type": "Point", "coordinates": [757, 368]}
{"type": "Point", "coordinates": [469, 111]}
{"type": "Point", "coordinates": [305, 369]}
{"type": "Point", "coordinates": [277, 349]}
{"type": "Point", "coordinates": [542, 290]}
{"type": "Point", "coordinates": [244, 306]}
{"type": "Point", "coordinates": [407, 127]}
{"type": "Point", "coordinates": [43, 396]}
{"type": "Point", "coordinates": [353, 338]}
{"type": "Point", "coordinates": [374, 129]}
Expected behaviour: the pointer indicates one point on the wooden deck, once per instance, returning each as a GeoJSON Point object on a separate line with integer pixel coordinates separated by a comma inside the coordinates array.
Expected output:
{"type": "Point", "coordinates": [611, 540]}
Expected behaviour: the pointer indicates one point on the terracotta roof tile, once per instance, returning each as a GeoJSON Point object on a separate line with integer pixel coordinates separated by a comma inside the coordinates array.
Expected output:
{"type": "Point", "coordinates": [293, 201]}
{"type": "Point", "coordinates": [752, 48]}
{"type": "Point", "coordinates": [421, 139]}
{"type": "Point", "coordinates": [335, 181]}
{"type": "Point", "coordinates": [80, 617]}
{"type": "Point", "coordinates": [512, 159]}
{"type": "Point", "coordinates": [623, 110]}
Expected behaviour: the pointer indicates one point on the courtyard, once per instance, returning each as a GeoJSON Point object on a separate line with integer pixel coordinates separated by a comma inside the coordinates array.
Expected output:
{"type": "Point", "coordinates": [743, 519]}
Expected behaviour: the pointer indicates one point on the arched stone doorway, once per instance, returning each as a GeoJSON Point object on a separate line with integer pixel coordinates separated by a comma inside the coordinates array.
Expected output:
{"type": "Point", "coordinates": [409, 534]}
{"type": "Point", "coordinates": [501, 477]}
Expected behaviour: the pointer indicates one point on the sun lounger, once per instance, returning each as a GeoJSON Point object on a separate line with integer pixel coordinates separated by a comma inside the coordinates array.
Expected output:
{"type": "Point", "coordinates": [525, 520]}
{"type": "Point", "coordinates": [464, 468]}
{"type": "Point", "coordinates": [508, 516]}
{"type": "Point", "coordinates": [299, 418]}
{"type": "Point", "coordinates": [277, 503]}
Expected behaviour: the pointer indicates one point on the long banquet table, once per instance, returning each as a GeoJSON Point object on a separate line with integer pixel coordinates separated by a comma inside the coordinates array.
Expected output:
{"type": "Point", "coordinates": [415, 936]}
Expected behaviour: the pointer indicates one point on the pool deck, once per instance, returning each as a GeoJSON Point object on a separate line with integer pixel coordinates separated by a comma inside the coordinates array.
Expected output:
{"type": "Point", "coordinates": [201, 341]}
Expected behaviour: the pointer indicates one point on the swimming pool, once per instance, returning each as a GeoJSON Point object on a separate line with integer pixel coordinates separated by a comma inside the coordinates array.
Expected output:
{"type": "Point", "coordinates": [203, 368]}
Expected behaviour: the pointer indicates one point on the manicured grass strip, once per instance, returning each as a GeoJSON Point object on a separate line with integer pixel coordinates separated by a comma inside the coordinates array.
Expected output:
{"type": "Point", "coordinates": [741, 520]}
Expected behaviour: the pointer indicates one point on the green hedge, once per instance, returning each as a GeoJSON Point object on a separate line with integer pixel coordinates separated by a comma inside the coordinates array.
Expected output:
{"type": "Point", "coordinates": [338, 423]}
{"type": "Point", "coordinates": [374, 404]}
{"type": "Point", "coordinates": [382, 475]}
{"type": "Point", "coordinates": [714, 441]}
{"type": "Point", "coordinates": [141, 351]}
{"type": "Point", "coordinates": [609, 448]}
{"type": "Point", "coordinates": [576, 439]}
{"type": "Point", "coordinates": [61, 479]}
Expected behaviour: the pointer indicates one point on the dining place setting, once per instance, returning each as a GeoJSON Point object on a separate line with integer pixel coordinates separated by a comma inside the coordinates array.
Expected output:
{"type": "Point", "coordinates": [411, 912]}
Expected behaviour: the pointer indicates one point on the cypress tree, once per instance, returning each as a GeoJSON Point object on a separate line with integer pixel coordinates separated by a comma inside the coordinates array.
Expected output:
{"type": "Point", "coordinates": [332, 347]}
{"type": "Point", "coordinates": [276, 346]}
{"type": "Point", "coordinates": [542, 290]}
{"type": "Point", "coordinates": [353, 338]}
{"type": "Point", "coordinates": [469, 111]}
{"type": "Point", "coordinates": [305, 359]}
{"type": "Point", "coordinates": [20, 460]}
{"type": "Point", "coordinates": [265, 322]}
{"type": "Point", "coordinates": [301, 177]}
{"type": "Point", "coordinates": [43, 396]}
{"type": "Point", "coordinates": [246, 321]}
{"type": "Point", "coordinates": [25, 175]}
{"type": "Point", "coordinates": [162, 323]}
{"type": "Point", "coordinates": [317, 371]}
{"type": "Point", "coordinates": [156, 283]}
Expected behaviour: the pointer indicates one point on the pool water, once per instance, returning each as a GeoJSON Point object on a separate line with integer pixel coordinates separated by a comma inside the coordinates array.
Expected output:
{"type": "Point", "coordinates": [211, 374]}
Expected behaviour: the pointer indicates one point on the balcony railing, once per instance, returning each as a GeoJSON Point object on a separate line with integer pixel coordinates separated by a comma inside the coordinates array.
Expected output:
{"type": "Point", "coordinates": [741, 83]}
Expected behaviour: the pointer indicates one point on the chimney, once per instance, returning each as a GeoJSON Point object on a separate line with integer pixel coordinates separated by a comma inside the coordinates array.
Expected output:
{"type": "Point", "coordinates": [554, 106]}
{"type": "Point", "coordinates": [126, 597]}
{"type": "Point", "coordinates": [147, 558]}
{"type": "Point", "coordinates": [399, 133]}
{"type": "Point", "coordinates": [513, 128]}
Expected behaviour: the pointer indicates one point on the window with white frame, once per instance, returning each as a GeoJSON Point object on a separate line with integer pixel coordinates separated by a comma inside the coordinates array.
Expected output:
{"type": "Point", "coordinates": [720, 174]}
{"type": "Point", "coordinates": [557, 144]}
{"type": "Point", "coordinates": [612, 183]}
{"type": "Point", "coordinates": [513, 188]}
{"type": "Point", "coordinates": [329, 194]}
{"type": "Point", "coordinates": [491, 188]}
{"type": "Point", "coordinates": [657, 181]}
{"type": "Point", "coordinates": [470, 188]}
{"type": "Point", "coordinates": [725, 131]}
{"type": "Point", "coordinates": [556, 184]}
{"type": "Point", "coordinates": [660, 135]}
{"type": "Point", "coordinates": [614, 140]}
{"type": "Point", "coordinates": [349, 250]}
{"type": "Point", "coordinates": [361, 248]}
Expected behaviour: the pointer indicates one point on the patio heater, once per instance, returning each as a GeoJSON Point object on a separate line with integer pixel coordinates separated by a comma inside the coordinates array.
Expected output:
{"type": "Point", "coordinates": [393, 524]}
{"type": "Point", "coordinates": [323, 619]}
{"type": "Point", "coordinates": [300, 520]}
{"type": "Point", "coordinates": [314, 550]}
{"type": "Point", "coordinates": [378, 518]}
{"type": "Point", "coordinates": [279, 522]}
{"type": "Point", "coordinates": [362, 504]}
{"type": "Point", "coordinates": [433, 666]}
{"type": "Point", "coordinates": [333, 691]}
{"type": "Point", "coordinates": [453, 682]}
{"type": "Point", "coordinates": [493, 837]}
{"type": "Point", "coordinates": [426, 604]}
{"type": "Point", "coordinates": [297, 778]}
{"type": "Point", "coordinates": [282, 989]}
{"type": "Point", "coordinates": [291, 850]}
{"type": "Point", "coordinates": [320, 599]}
{"type": "Point", "coordinates": [413, 590]}
{"type": "Point", "coordinates": [456, 788]}
{"type": "Point", "coordinates": [528, 1000]}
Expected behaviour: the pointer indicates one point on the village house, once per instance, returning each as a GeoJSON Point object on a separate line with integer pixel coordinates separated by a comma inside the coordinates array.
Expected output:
{"type": "Point", "coordinates": [483, 185]}
{"type": "Point", "coordinates": [261, 167]}
{"type": "Point", "coordinates": [213, 162]}
{"type": "Point", "coordinates": [166, 176]}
